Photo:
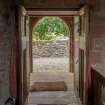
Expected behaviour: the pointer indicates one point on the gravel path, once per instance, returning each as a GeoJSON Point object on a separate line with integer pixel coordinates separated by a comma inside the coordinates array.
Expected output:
{"type": "Point", "coordinates": [51, 64]}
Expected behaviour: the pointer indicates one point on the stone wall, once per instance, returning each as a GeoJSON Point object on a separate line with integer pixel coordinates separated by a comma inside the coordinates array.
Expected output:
{"type": "Point", "coordinates": [51, 49]}
{"type": "Point", "coordinates": [97, 38]}
{"type": "Point", "coordinates": [5, 48]}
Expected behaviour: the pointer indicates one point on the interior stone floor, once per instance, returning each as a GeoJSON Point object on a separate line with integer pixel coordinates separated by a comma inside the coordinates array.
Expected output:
{"type": "Point", "coordinates": [56, 97]}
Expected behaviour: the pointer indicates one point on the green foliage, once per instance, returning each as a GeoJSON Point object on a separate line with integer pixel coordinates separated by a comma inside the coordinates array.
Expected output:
{"type": "Point", "coordinates": [49, 27]}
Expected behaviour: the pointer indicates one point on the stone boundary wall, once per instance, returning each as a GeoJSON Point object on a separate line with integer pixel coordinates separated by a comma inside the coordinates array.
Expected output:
{"type": "Point", "coordinates": [58, 48]}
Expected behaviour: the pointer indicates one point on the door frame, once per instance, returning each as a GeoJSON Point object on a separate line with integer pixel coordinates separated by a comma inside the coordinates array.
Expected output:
{"type": "Point", "coordinates": [21, 36]}
{"type": "Point", "coordinates": [35, 13]}
{"type": "Point", "coordinates": [84, 45]}
{"type": "Point", "coordinates": [43, 13]}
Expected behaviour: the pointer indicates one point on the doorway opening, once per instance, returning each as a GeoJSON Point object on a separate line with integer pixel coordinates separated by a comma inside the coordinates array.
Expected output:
{"type": "Point", "coordinates": [53, 87]}
{"type": "Point", "coordinates": [51, 80]}
{"type": "Point", "coordinates": [50, 45]}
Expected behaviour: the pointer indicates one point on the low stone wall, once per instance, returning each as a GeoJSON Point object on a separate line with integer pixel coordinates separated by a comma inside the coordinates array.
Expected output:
{"type": "Point", "coordinates": [53, 48]}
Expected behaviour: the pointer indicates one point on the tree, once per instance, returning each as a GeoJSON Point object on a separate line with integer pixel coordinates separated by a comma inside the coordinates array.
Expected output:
{"type": "Point", "coordinates": [49, 27]}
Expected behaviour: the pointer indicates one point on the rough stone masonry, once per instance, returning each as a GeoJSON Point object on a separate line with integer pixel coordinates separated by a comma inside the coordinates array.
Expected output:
{"type": "Point", "coordinates": [54, 48]}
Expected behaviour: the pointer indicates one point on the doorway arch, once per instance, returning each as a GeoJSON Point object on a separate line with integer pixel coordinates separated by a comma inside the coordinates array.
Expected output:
{"type": "Point", "coordinates": [69, 23]}
{"type": "Point", "coordinates": [50, 42]}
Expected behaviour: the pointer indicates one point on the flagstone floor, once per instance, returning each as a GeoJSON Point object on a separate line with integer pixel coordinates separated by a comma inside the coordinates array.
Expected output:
{"type": "Point", "coordinates": [56, 97]}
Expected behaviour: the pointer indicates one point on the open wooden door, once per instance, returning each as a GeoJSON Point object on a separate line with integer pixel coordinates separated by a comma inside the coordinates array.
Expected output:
{"type": "Point", "coordinates": [24, 71]}
{"type": "Point", "coordinates": [81, 39]}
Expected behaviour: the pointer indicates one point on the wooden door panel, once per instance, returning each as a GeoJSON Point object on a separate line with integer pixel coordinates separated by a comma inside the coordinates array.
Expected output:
{"type": "Point", "coordinates": [81, 72]}
{"type": "Point", "coordinates": [24, 77]}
